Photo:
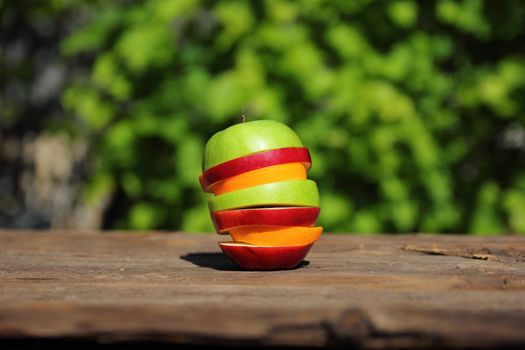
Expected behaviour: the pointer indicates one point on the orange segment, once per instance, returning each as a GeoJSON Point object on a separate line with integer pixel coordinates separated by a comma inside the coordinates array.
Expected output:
{"type": "Point", "coordinates": [276, 235]}
{"type": "Point", "coordinates": [274, 173]}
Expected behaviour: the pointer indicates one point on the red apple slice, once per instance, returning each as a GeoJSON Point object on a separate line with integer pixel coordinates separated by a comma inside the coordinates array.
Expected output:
{"type": "Point", "coordinates": [252, 257]}
{"type": "Point", "coordinates": [279, 216]}
{"type": "Point", "coordinates": [252, 162]}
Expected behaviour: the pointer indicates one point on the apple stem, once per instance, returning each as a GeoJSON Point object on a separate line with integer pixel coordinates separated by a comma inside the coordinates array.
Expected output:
{"type": "Point", "coordinates": [243, 118]}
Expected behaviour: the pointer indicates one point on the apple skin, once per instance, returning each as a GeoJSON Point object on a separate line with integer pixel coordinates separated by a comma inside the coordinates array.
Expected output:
{"type": "Point", "coordinates": [278, 216]}
{"type": "Point", "coordinates": [255, 161]}
{"type": "Point", "coordinates": [300, 193]}
{"type": "Point", "coordinates": [251, 257]}
{"type": "Point", "coordinates": [246, 138]}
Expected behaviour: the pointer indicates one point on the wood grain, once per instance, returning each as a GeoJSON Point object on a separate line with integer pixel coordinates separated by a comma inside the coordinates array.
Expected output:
{"type": "Point", "coordinates": [373, 292]}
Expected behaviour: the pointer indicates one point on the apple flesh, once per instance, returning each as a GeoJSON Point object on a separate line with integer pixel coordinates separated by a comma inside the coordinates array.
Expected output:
{"type": "Point", "coordinates": [278, 216]}
{"type": "Point", "coordinates": [252, 162]}
{"type": "Point", "coordinates": [252, 257]}
{"type": "Point", "coordinates": [301, 193]}
{"type": "Point", "coordinates": [246, 138]}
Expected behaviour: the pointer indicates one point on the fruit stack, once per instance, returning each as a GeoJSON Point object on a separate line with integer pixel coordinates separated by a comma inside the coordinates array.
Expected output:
{"type": "Point", "coordinates": [262, 198]}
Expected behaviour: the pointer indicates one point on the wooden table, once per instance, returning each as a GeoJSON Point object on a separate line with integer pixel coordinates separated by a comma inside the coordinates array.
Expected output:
{"type": "Point", "coordinates": [59, 289]}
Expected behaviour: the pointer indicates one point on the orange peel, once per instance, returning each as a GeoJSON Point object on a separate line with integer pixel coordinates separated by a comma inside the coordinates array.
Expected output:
{"type": "Point", "coordinates": [276, 235]}
{"type": "Point", "coordinates": [274, 173]}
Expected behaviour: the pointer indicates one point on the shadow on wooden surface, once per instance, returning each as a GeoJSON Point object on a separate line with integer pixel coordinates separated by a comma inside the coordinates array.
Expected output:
{"type": "Point", "coordinates": [216, 261]}
{"type": "Point", "coordinates": [219, 261]}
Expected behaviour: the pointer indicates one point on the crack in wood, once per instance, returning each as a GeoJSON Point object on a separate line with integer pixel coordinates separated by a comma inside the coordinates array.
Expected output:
{"type": "Point", "coordinates": [484, 254]}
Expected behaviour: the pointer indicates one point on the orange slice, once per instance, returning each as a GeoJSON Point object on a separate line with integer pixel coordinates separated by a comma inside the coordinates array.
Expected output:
{"type": "Point", "coordinates": [275, 235]}
{"type": "Point", "coordinates": [274, 173]}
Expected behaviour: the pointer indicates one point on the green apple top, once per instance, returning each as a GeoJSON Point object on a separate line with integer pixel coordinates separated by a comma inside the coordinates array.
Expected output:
{"type": "Point", "coordinates": [247, 138]}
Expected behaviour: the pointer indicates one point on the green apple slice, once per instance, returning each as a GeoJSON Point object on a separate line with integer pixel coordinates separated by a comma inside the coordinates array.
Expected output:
{"type": "Point", "coordinates": [247, 138]}
{"type": "Point", "coordinates": [301, 193]}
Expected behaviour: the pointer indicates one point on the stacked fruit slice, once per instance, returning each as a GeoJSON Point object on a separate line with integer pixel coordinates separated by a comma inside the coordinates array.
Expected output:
{"type": "Point", "coordinates": [263, 199]}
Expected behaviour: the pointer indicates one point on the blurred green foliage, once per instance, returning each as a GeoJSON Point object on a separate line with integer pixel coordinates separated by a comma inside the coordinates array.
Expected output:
{"type": "Point", "coordinates": [414, 112]}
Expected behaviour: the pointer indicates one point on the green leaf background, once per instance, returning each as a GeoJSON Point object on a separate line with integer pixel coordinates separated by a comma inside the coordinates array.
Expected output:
{"type": "Point", "coordinates": [414, 112]}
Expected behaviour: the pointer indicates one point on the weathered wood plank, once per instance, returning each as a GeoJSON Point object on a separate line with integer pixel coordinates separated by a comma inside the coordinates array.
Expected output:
{"type": "Point", "coordinates": [371, 292]}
